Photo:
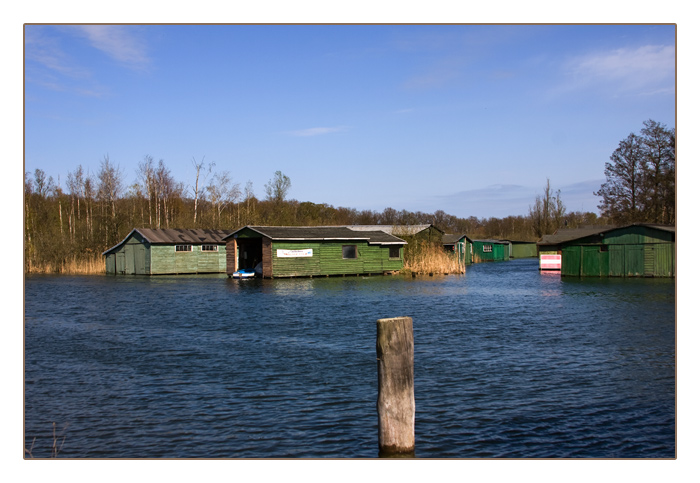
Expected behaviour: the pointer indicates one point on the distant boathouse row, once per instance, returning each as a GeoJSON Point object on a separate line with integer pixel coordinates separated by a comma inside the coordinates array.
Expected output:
{"type": "Point", "coordinates": [637, 250]}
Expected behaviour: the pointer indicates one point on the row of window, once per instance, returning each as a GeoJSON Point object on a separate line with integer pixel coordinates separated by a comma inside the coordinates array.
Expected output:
{"type": "Point", "coordinates": [205, 248]}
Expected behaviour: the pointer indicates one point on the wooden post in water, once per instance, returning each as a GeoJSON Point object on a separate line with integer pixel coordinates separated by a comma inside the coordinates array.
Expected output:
{"type": "Point", "coordinates": [395, 402]}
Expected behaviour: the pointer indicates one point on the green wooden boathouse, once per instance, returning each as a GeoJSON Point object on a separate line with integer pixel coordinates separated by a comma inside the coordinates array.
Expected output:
{"type": "Point", "coordinates": [460, 245]}
{"type": "Point", "coordinates": [638, 250]}
{"type": "Point", "coordinates": [490, 251]}
{"type": "Point", "coordinates": [522, 249]}
{"type": "Point", "coordinates": [150, 251]}
{"type": "Point", "coordinates": [279, 251]}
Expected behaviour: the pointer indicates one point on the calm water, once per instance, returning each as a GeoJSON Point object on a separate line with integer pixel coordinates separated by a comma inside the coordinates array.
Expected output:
{"type": "Point", "coordinates": [508, 363]}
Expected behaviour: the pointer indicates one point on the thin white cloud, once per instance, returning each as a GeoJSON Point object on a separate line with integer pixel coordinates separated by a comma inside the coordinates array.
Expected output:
{"type": "Point", "coordinates": [42, 48]}
{"type": "Point", "coordinates": [642, 70]}
{"type": "Point", "coordinates": [317, 131]}
{"type": "Point", "coordinates": [49, 66]}
{"type": "Point", "coordinates": [118, 41]}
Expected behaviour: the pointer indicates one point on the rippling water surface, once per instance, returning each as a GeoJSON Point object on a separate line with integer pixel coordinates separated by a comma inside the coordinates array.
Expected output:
{"type": "Point", "coordinates": [509, 363]}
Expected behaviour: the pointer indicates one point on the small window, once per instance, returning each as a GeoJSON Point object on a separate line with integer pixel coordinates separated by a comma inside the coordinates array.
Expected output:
{"type": "Point", "coordinates": [603, 248]}
{"type": "Point", "coordinates": [349, 251]}
{"type": "Point", "coordinates": [183, 248]}
{"type": "Point", "coordinates": [488, 248]}
{"type": "Point", "coordinates": [394, 252]}
{"type": "Point", "coordinates": [210, 248]}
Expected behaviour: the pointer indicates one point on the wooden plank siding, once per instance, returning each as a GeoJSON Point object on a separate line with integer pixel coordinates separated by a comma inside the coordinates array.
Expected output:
{"type": "Point", "coordinates": [523, 250]}
{"type": "Point", "coordinates": [489, 251]}
{"type": "Point", "coordinates": [136, 255]}
{"type": "Point", "coordinates": [632, 251]}
{"type": "Point", "coordinates": [165, 260]}
{"type": "Point", "coordinates": [327, 260]}
{"type": "Point", "coordinates": [373, 250]}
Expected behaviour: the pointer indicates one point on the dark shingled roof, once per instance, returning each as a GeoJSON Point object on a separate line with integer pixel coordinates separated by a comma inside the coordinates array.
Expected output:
{"type": "Point", "coordinates": [175, 236]}
{"type": "Point", "coordinates": [323, 233]}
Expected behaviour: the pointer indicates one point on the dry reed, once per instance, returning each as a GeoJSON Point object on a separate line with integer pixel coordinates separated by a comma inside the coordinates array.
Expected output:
{"type": "Point", "coordinates": [429, 259]}
{"type": "Point", "coordinates": [89, 265]}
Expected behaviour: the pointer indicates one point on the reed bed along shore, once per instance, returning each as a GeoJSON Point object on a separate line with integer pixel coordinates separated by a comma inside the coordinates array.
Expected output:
{"type": "Point", "coordinates": [431, 259]}
{"type": "Point", "coordinates": [93, 265]}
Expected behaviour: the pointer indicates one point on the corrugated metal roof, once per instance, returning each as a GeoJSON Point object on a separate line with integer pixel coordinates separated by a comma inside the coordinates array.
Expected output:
{"type": "Point", "coordinates": [169, 236]}
{"type": "Point", "coordinates": [490, 240]}
{"type": "Point", "coordinates": [394, 229]}
{"type": "Point", "coordinates": [175, 236]}
{"type": "Point", "coordinates": [323, 233]}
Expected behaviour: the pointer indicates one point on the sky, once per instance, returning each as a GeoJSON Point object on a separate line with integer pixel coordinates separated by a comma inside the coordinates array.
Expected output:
{"type": "Point", "coordinates": [468, 119]}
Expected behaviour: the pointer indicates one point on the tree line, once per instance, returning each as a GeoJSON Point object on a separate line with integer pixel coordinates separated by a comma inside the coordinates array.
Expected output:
{"type": "Point", "coordinates": [93, 212]}
{"type": "Point", "coordinates": [640, 185]}
{"type": "Point", "coordinates": [96, 211]}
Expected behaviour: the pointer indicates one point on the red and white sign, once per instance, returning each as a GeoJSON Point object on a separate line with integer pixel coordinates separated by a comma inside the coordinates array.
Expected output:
{"type": "Point", "coordinates": [550, 262]}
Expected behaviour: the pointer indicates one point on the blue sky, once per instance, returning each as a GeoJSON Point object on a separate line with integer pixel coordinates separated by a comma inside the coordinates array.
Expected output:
{"type": "Point", "coordinates": [468, 119]}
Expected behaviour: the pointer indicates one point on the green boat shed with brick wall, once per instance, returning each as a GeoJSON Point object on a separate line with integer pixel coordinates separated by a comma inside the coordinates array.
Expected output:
{"type": "Point", "coordinates": [279, 251]}
{"type": "Point", "coordinates": [150, 251]}
{"type": "Point", "coordinates": [637, 250]}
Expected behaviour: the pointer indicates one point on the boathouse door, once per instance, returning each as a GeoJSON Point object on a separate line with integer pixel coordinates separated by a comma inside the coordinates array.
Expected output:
{"type": "Point", "coordinates": [249, 253]}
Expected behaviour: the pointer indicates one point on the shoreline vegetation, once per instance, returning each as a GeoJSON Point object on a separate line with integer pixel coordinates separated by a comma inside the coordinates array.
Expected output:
{"type": "Point", "coordinates": [88, 265]}
{"type": "Point", "coordinates": [419, 258]}
{"type": "Point", "coordinates": [428, 259]}
{"type": "Point", "coordinates": [68, 226]}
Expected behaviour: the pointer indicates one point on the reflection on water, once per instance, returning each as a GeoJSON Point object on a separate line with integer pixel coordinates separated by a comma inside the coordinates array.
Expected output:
{"type": "Point", "coordinates": [508, 363]}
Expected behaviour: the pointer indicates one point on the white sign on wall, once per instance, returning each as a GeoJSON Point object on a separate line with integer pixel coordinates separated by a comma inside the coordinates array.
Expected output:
{"type": "Point", "coordinates": [304, 252]}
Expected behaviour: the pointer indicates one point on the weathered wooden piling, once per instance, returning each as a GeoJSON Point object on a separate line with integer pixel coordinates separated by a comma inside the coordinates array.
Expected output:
{"type": "Point", "coordinates": [395, 402]}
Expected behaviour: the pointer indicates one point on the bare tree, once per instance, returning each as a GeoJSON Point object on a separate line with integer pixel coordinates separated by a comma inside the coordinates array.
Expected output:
{"type": "Point", "coordinates": [249, 198]}
{"type": "Point", "coordinates": [196, 191]}
{"type": "Point", "coordinates": [166, 189]}
{"type": "Point", "coordinates": [622, 192]}
{"type": "Point", "coordinates": [108, 191]}
{"type": "Point", "coordinates": [146, 174]}
{"type": "Point", "coordinates": [547, 215]}
{"type": "Point", "coordinates": [222, 192]}
{"type": "Point", "coordinates": [640, 178]}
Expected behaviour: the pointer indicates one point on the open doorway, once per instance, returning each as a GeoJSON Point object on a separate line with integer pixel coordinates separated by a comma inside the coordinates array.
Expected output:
{"type": "Point", "coordinates": [249, 253]}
